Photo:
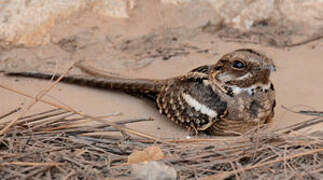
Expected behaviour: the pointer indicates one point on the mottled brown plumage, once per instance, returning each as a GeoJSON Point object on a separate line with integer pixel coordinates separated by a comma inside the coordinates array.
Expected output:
{"type": "Point", "coordinates": [226, 98]}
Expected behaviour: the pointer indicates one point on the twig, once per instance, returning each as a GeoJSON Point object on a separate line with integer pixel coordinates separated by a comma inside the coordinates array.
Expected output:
{"type": "Point", "coordinates": [9, 113]}
{"type": "Point", "coordinates": [18, 163]}
{"type": "Point", "coordinates": [240, 41]}
{"type": "Point", "coordinates": [18, 156]}
{"type": "Point", "coordinates": [94, 71]}
{"type": "Point", "coordinates": [38, 170]}
{"type": "Point", "coordinates": [301, 125]}
{"type": "Point", "coordinates": [19, 175]}
{"type": "Point", "coordinates": [197, 140]}
{"type": "Point", "coordinates": [134, 120]}
{"type": "Point", "coordinates": [41, 113]}
{"type": "Point", "coordinates": [311, 39]}
{"type": "Point", "coordinates": [33, 120]}
{"type": "Point", "coordinates": [36, 99]}
{"type": "Point", "coordinates": [312, 113]}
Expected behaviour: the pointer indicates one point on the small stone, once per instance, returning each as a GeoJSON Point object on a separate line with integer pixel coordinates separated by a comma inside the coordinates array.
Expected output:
{"type": "Point", "coordinates": [153, 170]}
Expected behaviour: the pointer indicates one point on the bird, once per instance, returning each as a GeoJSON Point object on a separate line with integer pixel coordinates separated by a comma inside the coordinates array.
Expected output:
{"type": "Point", "coordinates": [227, 98]}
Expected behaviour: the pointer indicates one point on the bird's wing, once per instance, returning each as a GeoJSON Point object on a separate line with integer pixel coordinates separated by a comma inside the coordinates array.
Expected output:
{"type": "Point", "coordinates": [191, 102]}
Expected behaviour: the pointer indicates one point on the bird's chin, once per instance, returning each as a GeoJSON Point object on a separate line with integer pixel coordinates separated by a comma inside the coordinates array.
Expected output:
{"type": "Point", "coordinates": [224, 78]}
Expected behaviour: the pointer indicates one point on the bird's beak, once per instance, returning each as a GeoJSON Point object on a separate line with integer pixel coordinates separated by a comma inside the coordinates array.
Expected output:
{"type": "Point", "coordinates": [271, 67]}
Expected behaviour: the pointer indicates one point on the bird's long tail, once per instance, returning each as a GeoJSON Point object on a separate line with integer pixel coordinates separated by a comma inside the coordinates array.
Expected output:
{"type": "Point", "coordinates": [145, 87]}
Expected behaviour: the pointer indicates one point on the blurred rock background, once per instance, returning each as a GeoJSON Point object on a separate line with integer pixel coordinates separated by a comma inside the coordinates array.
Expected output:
{"type": "Point", "coordinates": [29, 23]}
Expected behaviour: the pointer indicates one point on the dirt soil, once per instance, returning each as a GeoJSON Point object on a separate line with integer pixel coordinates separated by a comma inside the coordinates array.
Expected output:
{"type": "Point", "coordinates": [148, 47]}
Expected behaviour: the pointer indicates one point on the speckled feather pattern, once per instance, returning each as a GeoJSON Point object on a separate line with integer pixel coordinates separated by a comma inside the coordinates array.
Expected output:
{"type": "Point", "coordinates": [172, 103]}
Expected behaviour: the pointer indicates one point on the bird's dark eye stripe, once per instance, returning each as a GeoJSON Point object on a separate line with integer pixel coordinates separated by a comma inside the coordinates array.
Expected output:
{"type": "Point", "coordinates": [238, 64]}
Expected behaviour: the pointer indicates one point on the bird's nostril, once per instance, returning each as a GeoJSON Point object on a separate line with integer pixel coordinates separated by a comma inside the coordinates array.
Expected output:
{"type": "Point", "coordinates": [270, 67]}
{"type": "Point", "coordinates": [273, 67]}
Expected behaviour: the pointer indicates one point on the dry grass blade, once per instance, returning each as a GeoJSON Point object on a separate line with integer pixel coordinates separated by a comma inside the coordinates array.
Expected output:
{"type": "Point", "coordinates": [306, 41]}
{"type": "Point", "coordinates": [312, 113]}
{"type": "Point", "coordinates": [94, 71]}
{"type": "Point", "coordinates": [36, 99]}
{"type": "Point", "coordinates": [10, 113]}
{"type": "Point", "coordinates": [36, 118]}
{"type": "Point", "coordinates": [300, 125]}
{"type": "Point", "coordinates": [33, 164]}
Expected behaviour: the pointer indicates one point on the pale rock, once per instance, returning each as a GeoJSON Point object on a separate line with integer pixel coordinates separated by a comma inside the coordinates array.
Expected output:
{"type": "Point", "coordinates": [153, 170]}
{"type": "Point", "coordinates": [29, 23]}
{"type": "Point", "coordinates": [307, 14]}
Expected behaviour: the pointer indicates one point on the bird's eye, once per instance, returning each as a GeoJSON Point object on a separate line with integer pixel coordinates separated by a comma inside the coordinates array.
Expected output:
{"type": "Point", "coordinates": [238, 64]}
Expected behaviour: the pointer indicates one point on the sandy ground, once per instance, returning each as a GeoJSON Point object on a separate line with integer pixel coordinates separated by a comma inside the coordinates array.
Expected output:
{"type": "Point", "coordinates": [150, 49]}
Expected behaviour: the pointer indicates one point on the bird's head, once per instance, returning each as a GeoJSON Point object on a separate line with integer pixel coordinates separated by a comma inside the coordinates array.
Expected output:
{"type": "Point", "coordinates": [243, 68]}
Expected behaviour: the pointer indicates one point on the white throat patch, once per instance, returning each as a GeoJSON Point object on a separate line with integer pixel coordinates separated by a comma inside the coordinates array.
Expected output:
{"type": "Point", "coordinates": [198, 106]}
{"type": "Point", "coordinates": [237, 90]}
